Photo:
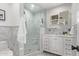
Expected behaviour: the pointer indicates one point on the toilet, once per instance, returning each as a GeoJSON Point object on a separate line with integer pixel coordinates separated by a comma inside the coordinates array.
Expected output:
{"type": "Point", "coordinates": [4, 50]}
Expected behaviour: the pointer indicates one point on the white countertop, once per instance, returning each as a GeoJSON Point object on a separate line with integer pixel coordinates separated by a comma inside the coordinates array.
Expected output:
{"type": "Point", "coordinates": [59, 35]}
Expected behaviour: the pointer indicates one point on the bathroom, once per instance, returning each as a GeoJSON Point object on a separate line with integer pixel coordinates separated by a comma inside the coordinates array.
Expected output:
{"type": "Point", "coordinates": [39, 29]}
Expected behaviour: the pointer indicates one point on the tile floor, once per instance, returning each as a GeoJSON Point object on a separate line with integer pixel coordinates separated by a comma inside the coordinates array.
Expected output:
{"type": "Point", "coordinates": [43, 54]}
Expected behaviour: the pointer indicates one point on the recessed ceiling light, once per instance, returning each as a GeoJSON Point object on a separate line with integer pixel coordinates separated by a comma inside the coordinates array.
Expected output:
{"type": "Point", "coordinates": [32, 5]}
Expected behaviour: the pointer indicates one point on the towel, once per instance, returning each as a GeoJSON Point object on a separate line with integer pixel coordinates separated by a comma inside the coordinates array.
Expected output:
{"type": "Point", "coordinates": [21, 36]}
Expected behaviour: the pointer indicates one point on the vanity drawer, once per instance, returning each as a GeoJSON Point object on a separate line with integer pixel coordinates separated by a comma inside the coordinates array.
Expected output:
{"type": "Point", "coordinates": [45, 47]}
{"type": "Point", "coordinates": [67, 46]}
{"type": "Point", "coordinates": [68, 39]}
{"type": "Point", "coordinates": [68, 52]}
{"type": "Point", "coordinates": [45, 43]}
{"type": "Point", "coordinates": [68, 42]}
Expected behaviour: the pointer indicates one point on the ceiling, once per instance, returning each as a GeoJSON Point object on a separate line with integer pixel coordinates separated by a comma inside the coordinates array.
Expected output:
{"type": "Point", "coordinates": [40, 6]}
{"type": "Point", "coordinates": [48, 5]}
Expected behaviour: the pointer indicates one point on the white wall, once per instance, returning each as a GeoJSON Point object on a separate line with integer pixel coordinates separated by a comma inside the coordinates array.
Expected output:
{"type": "Point", "coordinates": [75, 19]}
{"type": "Point", "coordinates": [75, 13]}
{"type": "Point", "coordinates": [12, 14]}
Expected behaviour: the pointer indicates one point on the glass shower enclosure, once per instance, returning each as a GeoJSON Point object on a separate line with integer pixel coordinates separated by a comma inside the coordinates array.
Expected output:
{"type": "Point", "coordinates": [34, 17]}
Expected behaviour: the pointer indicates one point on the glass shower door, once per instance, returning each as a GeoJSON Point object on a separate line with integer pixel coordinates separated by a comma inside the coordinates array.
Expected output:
{"type": "Point", "coordinates": [33, 29]}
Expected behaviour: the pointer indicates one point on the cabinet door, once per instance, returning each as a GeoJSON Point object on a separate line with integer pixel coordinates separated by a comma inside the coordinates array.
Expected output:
{"type": "Point", "coordinates": [67, 46]}
{"type": "Point", "coordinates": [56, 45]}
{"type": "Point", "coordinates": [45, 43]}
{"type": "Point", "coordinates": [59, 45]}
{"type": "Point", "coordinates": [52, 44]}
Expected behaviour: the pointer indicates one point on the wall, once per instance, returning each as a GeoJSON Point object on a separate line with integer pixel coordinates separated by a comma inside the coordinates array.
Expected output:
{"type": "Point", "coordinates": [75, 20]}
{"type": "Point", "coordinates": [75, 23]}
{"type": "Point", "coordinates": [12, 14]}
{"type": "Point", "coordinates": [8, 28]}
{"type": "Point", "coordinates": [75, 11]}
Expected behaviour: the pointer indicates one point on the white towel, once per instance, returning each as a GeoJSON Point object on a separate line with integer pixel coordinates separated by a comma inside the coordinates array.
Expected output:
{"type": "Point", "coordinates": [21, 37]}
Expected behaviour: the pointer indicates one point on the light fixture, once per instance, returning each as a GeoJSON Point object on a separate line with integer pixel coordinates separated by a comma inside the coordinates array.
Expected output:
{"type": "Point", "coordinates": [32, 5]}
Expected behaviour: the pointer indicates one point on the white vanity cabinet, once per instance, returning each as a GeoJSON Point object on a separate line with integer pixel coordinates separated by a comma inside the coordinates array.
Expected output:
{"type": "Point", "coordinates": [68, 42]}
{"type": "Point", "coordinates": [53, 44]}
{"type": "Point", "coordinates": [58, 44]}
